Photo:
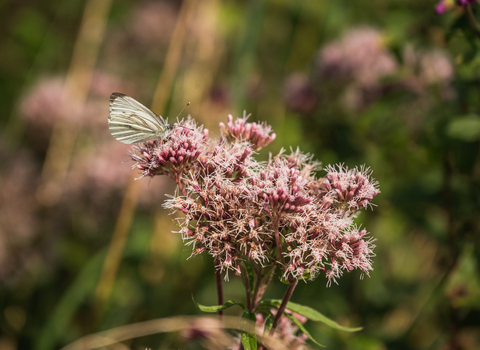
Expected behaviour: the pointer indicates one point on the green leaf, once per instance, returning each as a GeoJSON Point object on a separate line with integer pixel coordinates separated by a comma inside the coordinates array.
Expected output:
{"type": "Point", "coordinates": [249, 340]}
{"type": "Point", "coordinates": [217, 308]}
{"type": "Point", "coordinates": [268, 323]}
{"type": "Point", "coordinates": [311, 314]}
{"type": "Point", "coordinates": [302, 328]}
{"type": "Point", "coordinates": [466, 128]}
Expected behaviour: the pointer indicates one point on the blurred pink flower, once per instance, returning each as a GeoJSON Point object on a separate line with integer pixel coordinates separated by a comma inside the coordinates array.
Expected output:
{"type": "Point", "coordinates": [48, 102]}
{"type": "Point", "coordinates": [18, 217]}
{"type": "Point", "coordinates": [428, 68]}
{"type": "Point", "coordinates": [152, 23]}
{"type": "Point", "coordinates": [103, 84]}
{"type": "Point", "coordinates": [299, 94]}
{"type": "Point", "coordinates": [436, 67]}
{"type": "Point", "coordinates": [45, 104]}
{"type": "Point", "coordinates": [360, 56]}
{"type": "Point", "coordinates": [90, 178]}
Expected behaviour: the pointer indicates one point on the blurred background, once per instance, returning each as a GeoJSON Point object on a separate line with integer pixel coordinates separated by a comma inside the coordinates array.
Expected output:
{"type": "Point", "coordinates": [385, 83]}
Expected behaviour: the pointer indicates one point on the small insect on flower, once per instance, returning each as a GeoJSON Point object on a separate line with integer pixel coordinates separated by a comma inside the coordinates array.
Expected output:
{"type": "Point", "coordinates": [131, 122]}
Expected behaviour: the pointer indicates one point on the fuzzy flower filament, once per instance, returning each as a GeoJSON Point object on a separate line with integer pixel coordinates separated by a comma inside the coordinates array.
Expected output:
{"type": "Point", "coordinates": [275, 213]}
{"type": "Point", "coordinates": [258, 135]}
{"type": "Point", "coordinates": [347, 189]}
{"type": "Point", "coordinates": [172, 156]}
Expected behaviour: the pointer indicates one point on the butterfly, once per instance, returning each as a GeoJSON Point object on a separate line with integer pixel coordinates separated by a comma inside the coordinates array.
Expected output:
{"type": "Point", "coordinates": [131, 122]}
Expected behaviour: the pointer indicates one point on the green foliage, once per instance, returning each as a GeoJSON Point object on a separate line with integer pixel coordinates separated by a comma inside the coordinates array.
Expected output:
{"type": "Point", "coordinates": [217, 308]}
{"type": "Point", "coordinates": [420, 136]}
{"type": "Point", "coordinates": [311, 314]}
{"type": "Point", "coordinates": [465, 128]}
{"type": "Point", "coordinates": [249, 340]}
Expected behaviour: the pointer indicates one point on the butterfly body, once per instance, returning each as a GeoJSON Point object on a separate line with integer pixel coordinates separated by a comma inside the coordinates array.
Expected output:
{"type": "Point", "coordinates": [131, 122]}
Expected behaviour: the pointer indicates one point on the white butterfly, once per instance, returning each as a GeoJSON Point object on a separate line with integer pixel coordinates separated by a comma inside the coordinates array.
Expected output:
{"type": "Point", "coordinates": [131, 122]}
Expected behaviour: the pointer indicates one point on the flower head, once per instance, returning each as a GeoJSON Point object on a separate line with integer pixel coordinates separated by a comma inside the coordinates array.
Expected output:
{"type": "Point", "coordinates": [346, 189]}
{"type": "Point", "coordinates": [280, 188]}
{"type": "Point", "coordinates": [258, 135]}
{"type": "Point", "coordinates": [274, 213]}
{"type": "Point", "coordinates": [174, 155]}
{"type": "Point", "coordinates": [233, 160]}
{"type": "Point", "coordinates": [221, 218]}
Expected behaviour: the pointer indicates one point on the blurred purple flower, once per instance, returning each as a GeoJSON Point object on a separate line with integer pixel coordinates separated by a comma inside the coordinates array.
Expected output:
{"type": "Point", "coordinates": [357, 63]}
{"type": "Point", "coordinates": [45, 104]}
{"type": "Point", "coordinates": [152, 23]}
{"type": "Point", "coordinates": [48, 102]}
{"type": "Point", "coordinates": [360, 56]}
{"type": "Point", "coordinates": [436, 67]}
{"type": "Point", "coordinates": [299, 93]}
{"type": "Point", "coordinates": [19, 219]}
{"type": "Point", "coordinates": [445, 5]}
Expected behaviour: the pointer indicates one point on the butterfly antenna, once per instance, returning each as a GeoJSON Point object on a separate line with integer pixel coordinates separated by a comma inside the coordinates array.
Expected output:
{"type": "Point", "coordinates": [181, 113]}
{"type": "Point", "coordinates": [188, 104]}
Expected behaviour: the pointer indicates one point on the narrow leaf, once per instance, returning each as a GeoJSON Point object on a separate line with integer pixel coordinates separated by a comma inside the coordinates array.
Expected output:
{"type": "Point", "coordinates": [268, 323]}
{"type": "Point", "coordinates": [302, 328]}
{"type": "Point", "coordinates": [249, 340]}
{"type": "Point", "coordinates": [217, 308]}
{"type": "Point", "coordinates": [311, 314]}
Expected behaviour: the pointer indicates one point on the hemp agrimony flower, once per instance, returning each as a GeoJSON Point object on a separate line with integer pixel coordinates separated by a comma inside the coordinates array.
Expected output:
{"type": "Point", "coordinates": [262, 216]}
{"type": "Point", "coordinates": [257, 134]}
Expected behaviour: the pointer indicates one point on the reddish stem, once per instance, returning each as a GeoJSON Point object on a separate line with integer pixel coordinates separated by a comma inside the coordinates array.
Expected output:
{"type": "Point", "coordinates": [283, 305]}
{"type": "Point", "coordinates": [248, 289]}
{"type": "Point", "coordinates": [178, 180]}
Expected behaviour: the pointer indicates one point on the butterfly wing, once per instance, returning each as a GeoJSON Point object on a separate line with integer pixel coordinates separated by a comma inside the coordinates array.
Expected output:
{"type": "Point", "coordinates": [131, 122]}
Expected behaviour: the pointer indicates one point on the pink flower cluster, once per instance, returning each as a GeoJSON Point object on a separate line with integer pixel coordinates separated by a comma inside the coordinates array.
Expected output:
{"type": "Point", "coordinates": [173, 156]}
{"type": "Point", "coordinates": [257, 134]}
{"type": "Point", "coordinates": [280, 188]}
{"type": "Point", "coordinates": [275, 213]}
{"type": "Point", "coordinates": [347, 189]}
